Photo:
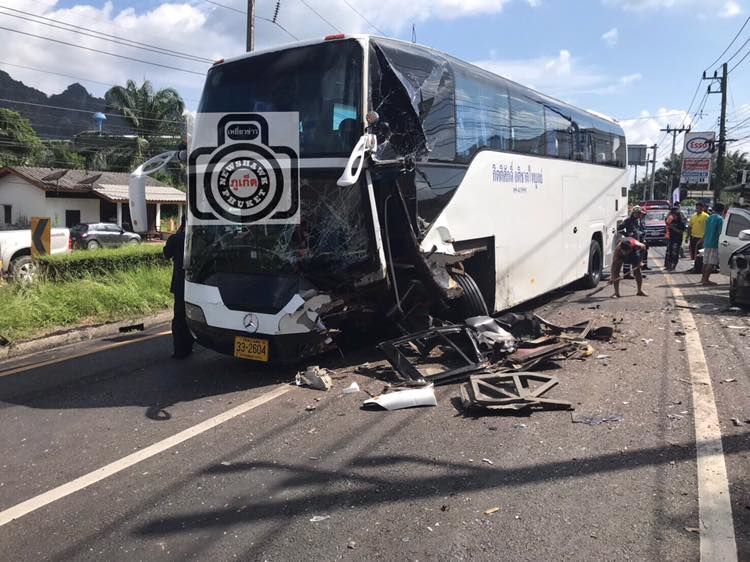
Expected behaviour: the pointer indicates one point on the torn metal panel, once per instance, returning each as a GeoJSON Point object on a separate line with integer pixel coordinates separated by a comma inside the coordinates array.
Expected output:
{"type": "Point", "coordinates": [517, 391]}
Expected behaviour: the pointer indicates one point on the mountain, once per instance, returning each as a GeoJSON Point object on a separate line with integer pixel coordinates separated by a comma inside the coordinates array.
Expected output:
{"type": "Point", "coordinates": [59, 116]}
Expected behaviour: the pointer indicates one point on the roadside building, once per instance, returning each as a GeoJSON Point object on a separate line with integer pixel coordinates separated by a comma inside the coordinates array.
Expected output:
{"type": "Point", "coordinates": [70, 197]}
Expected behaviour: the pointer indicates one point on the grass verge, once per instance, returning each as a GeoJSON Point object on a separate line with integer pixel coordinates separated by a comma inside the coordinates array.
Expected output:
{"type": "Point", "coordinates": [40, 308]}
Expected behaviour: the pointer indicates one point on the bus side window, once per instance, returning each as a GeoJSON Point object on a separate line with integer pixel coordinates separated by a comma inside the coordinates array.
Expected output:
{"type": "Point", "coordinates": [527, 123]}
{"type": "Point", "coordinates": [558, 134]}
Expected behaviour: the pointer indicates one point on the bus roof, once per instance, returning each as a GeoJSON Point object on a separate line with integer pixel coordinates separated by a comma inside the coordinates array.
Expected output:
{"type": "Point", "coordinates": [365, 38]}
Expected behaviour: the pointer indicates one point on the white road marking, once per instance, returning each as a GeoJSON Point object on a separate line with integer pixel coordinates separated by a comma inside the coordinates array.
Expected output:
{"type": "Point", "coordinates": [26, 507]}
{"type": "Point", "coordinates": [717, 541]}
{"type": "Point", "coordinates": [40, 364]}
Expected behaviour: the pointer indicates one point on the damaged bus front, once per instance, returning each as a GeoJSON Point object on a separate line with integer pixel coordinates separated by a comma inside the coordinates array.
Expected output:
{"type": "Point", "coordinates": [323, 190]}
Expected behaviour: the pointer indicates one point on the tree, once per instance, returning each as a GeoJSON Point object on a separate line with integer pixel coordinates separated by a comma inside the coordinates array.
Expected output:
{"type": "Point", "coordinates": [19, 143]}
{"type": "Point", "coordinates": [150, 113]}
{"type": "Point", "coordinates": [155, 116]}
{"type": "Point", "coordinates": [61, 154]}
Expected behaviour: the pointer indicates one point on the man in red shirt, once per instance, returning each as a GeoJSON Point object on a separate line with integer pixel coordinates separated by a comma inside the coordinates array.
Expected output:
{"type": "Point", "coordinates": [628, 251]}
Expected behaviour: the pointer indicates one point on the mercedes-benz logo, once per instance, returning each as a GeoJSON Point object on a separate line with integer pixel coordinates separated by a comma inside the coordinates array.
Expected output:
{"type": "Point", "coordinates": [250, 321]}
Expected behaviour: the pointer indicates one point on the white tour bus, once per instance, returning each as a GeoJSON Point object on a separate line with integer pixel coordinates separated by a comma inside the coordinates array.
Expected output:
{"type": "Point", "coordinates": [336, 183]}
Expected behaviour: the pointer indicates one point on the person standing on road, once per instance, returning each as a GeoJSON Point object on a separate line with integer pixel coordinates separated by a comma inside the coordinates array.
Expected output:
{"type": "Point", "coordinates": [174, 249]}
{"type": "Point", "coordinates": [697, 228]}
{"type": "Point", "coordinates": [675, 231]}
{"type": "Point", "coordinates": [633, 227]}
{"type": "Point", "coordinates": [629, 250]}
{"type": "Point", "coordinates": [714, 225]}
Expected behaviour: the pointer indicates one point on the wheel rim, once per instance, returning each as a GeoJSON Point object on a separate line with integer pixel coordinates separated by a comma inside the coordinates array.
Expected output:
{"type": "Point", "coordinates": [26, 272]}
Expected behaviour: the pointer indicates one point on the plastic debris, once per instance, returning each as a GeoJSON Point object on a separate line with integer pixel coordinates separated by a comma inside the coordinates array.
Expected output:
{"type": "Point", "coordinates": [488, 461]}
{"type": "Point", "coordinates": [738, 327]}
{"type": "Point", "coordinates": [729, 380]}
{"type": "Point", "coordinates": [602, 356]}
{"type": "Point", "coordinates": [520, 426]}
{"type": "Point", "coordinates": [491, 510]}
{"type": "Point", "coordinates": [319, 518]}
{"type": "Point", "coordinates": [314, 377]}
{"type": "Point", "coordinates": [408, 398]}
{"type": "Point", "coordinates": [737, 422]}
{"type": "Point", "coordinates": [310, 407]}
{"type": "Point", "coordinates": [351, 389]}
{"type": "Point", "coordinates": [647, 341]}
{"type": "Point", "coordinates": [692, 529]}
{"type": "Point", "coordinates": [351, 545]}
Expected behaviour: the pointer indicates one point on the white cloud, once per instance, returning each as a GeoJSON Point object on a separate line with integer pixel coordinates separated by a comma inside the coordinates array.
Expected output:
{"type": "Point", "coordinates": [562, 76]}
{"type": "Point", "coordinates": [534, 3]}
{"type": "Point", "coordinates": [611, 37]}
{"type": "Point", "coordinates": [724, 8]}
{"type": "Point", "coordinates": [730, 9]}
{"type": "Point", "coordinates": [630, 78]}
{"type": "Point", "coordinates": [197, 28]}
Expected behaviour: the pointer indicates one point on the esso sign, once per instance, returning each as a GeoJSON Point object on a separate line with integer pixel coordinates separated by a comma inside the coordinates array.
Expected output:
{"type": "Point", "coordinates": [698, 145]}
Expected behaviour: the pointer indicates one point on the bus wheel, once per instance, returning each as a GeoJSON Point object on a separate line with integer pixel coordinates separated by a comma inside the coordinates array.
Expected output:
{"type": "Point", "coordinates": [471, 303]}
{"type": "Point", "coordinates": [594, 274]}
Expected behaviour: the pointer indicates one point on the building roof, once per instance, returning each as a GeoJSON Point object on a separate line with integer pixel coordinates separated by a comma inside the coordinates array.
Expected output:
{"type": "Point", "coordinates": [112, 186]}
{"type": "Point", "coordinates": [154, 193]}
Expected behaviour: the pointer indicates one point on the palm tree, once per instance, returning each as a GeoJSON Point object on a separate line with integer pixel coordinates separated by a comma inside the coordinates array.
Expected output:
{"type": "Point", "coordinates": [154, 116]}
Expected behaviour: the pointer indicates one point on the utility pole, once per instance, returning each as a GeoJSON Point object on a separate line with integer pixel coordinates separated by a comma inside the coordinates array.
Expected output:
{"type": "Point", "coordinates": [653, 172]}
{"type": "Point", "coordinates": [674, 133]}
{"type": "Point", "coordinates": [250, 26]}
{"type": "Point", "coordinates": [722, 126]}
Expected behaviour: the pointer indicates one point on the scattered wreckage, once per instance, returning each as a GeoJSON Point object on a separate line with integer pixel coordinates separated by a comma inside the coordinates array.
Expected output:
{"type": "Point", "coordinates": [494, 359]}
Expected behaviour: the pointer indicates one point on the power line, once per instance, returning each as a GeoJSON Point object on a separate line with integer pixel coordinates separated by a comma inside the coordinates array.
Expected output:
{"type": "Point", "coordinates": [243, 12]}
{"type": "Point", "coordinates": [84, 110]}
{"type": "Point", "coordinates": [102, 52]}
{"type": "Point", "coordinates": [364, 18]}
{"type": "Point", "coordinates": [79, 78]}
{"type": "Point", "coordinates": [730, 44]}
{"type": "Point", "coordinates": [313, 10]}
{"type": "Point", "coordinates": [740, 61]}
{"type": "Point", "coordinates": [104, 36]}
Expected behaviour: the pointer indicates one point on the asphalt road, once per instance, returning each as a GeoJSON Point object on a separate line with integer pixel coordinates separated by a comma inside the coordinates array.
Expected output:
{"type": "Point", "coordinates": [405, 485]}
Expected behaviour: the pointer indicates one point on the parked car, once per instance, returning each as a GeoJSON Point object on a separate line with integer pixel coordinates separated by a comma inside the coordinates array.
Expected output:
{"type": "Point", "coordinates": [654, 204]}
{"type": "Point", "coordinates": [101, 235]}
{"type": "Point", "coordinates": [15, 251]}
{"type": "Point", "coordinates": [736, 220]}
{"type": "Point", "coordinates": [739, 272]}
{"type": "Point", "coordinates": [655, 227]}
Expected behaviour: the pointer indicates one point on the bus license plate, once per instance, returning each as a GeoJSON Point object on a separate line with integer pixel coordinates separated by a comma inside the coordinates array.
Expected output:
{"type": "Point", "coordinates": [251, 348]}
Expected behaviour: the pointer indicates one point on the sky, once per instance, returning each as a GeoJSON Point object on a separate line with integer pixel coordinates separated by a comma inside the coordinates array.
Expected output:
{"type": "Point", "coordinates": [638, 61]}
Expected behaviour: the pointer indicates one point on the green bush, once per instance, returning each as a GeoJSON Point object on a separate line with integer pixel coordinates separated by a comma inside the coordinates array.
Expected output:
{"type": "Point", "coordinates": [36, 309]}
{"type": "Point", "coordinates": [92, 263]}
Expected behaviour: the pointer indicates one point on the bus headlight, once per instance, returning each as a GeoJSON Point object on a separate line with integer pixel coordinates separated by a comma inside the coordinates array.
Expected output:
{"type": "Point", "coordinates": [195, 313]}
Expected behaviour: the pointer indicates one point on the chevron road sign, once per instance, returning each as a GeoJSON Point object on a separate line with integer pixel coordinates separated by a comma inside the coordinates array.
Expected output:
{"type": "Point", "coordinates": [41, 228]}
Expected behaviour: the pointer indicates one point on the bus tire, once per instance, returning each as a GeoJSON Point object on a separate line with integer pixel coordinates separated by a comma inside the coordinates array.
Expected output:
{"type": "Point", "coordinates": [471, 303]}
{"type": "Point", "coordinates": [594, 274]}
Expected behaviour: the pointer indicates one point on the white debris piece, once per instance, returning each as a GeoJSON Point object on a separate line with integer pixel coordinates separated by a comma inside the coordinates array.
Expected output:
{"type": "Point", "coordinates": [314, 377]}
{"type": "Point", "coordinates": [407, 398]}
{"type": "Point", "coordinates": [319, 518]}
{"type": "Point", "coordinates": [352, 388]}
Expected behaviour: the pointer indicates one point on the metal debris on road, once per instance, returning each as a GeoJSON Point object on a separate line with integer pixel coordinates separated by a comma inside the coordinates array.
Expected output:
{"type": "Point", "coordinates": [314, 377]}
{"type": "Point", "coordinates": [319, 518]}
{"type": "Point", "coordinates": [406, 398]}
{"type": "Point", "coordinates": [516, 391]}
{"type": "Point", "coordinates": [597, 420]}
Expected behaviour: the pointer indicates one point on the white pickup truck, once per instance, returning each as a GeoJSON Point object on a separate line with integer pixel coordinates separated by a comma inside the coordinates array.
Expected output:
{"type": "Point", "coordinates": [736, 220]}
{"type": "Point", "coordinates": [15, 251]}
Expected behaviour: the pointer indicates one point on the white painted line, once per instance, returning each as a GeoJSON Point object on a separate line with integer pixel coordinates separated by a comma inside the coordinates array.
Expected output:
{"type": "Point", "coordinates": [26, 507]}
{"type": "Point", "coordinates": [715, 508]}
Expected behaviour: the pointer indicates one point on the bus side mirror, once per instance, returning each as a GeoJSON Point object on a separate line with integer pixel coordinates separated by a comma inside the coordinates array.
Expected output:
{"type": "Point", "coordinates": [137, 189]}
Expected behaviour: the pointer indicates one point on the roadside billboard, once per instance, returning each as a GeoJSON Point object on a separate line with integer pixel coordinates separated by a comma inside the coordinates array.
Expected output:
{"type": "Point", "coordinates": [696, 158]}
{"type": "Point", "coordinates": [637, 154]}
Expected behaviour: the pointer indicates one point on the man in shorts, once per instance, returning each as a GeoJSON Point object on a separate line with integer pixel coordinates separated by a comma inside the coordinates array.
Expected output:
{"type": "Point", "coordinates": [629, 250]}
{"type": "Point", "coordinates": [714, 225]}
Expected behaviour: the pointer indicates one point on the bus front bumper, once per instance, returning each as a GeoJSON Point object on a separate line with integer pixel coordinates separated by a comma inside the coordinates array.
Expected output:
{"type": "Point", "coordinates": [283, 349]}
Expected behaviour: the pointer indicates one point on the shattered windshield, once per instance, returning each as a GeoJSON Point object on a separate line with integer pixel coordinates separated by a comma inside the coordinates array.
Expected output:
{"type": "Point", "coordinates": [411, 89]}
{"type": "Point", "coordinates": [330, 245]}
